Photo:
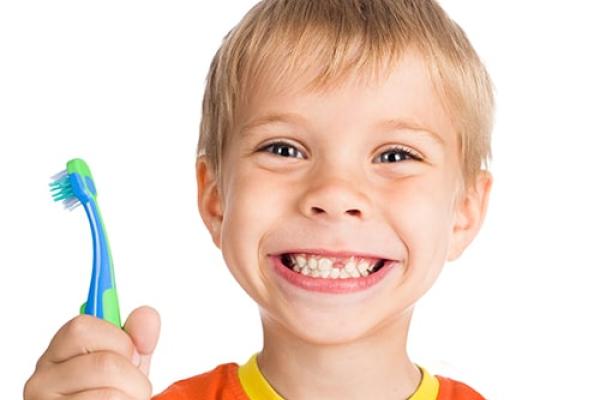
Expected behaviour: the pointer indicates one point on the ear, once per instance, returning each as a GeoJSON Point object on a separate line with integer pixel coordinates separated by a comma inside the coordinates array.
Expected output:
{"type": "Point", "coordinates": [209, 199]}
{"type": "Point", "coordinates": [471, 207]}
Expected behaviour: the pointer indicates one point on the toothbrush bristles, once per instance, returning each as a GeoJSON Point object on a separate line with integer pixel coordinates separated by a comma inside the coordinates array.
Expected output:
{"type": "Point", "coordinates": [60, 175]}
{"type": "Point", "coordinates": [61, 189]}
{"type": "Point", "coordinates": [71, 203]}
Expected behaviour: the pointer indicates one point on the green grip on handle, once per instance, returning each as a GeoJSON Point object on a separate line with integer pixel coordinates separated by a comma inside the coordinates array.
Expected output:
{"type": "Point", "coordinates": [110, 305]}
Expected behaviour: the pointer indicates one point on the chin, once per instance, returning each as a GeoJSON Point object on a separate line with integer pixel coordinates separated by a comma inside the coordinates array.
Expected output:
{"type": "Point", "coordinates": [328, 330]}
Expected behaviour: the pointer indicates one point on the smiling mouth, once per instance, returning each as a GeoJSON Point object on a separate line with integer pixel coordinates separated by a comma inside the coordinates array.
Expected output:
{"type": "Point", "coordinates": [331, 267]}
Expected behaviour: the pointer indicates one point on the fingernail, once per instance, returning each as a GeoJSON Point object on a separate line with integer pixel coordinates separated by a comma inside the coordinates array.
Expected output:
{"type": "Point", "coordinates": [135, 358]}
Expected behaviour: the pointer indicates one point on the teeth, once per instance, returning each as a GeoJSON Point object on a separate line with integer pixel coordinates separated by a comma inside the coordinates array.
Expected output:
{"type": "Point", "coordinates": [324, 273]}
{"type": "Point", "coordinates": [324, 267]}
{"type": "Point", "coordinates": [350, 266]}
{"type": "Point", "coordinates": [335, 273]}
{"type": "Point", "coordinates": [300, 260]}
{"type": "Point", "coordinates": [363, 266]}
{"type": "Point", "coordinates": [325, 264]}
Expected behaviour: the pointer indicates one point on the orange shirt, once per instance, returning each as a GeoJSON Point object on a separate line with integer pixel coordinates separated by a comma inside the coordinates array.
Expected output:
{"type": "Point", "coordinates": [233, 382]}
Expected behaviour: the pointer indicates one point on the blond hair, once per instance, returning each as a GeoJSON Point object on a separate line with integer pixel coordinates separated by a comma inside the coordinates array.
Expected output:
{"type": "Point", "coordinates": [284, 39]}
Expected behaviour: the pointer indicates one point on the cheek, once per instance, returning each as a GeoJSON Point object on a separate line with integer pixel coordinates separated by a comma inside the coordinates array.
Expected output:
{"type": "Point", "coordinates": [421, 216]}
{"type": "Point", "coordinates": [254, 199]}
{"type": "Point", "coordinates": [252, 208]}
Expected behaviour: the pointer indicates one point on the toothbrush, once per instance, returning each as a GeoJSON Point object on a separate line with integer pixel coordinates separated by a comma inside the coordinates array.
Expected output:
{"type": "Point", "coordinates": [75, 187]}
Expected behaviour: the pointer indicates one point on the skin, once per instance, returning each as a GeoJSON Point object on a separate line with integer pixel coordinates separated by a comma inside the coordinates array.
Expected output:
{"type": "Point", "coordinates": [91, 359]}
{"type": "Point", "coordinates": [335, 186]}
{"type": "Point", "coordinates": [318, 194]}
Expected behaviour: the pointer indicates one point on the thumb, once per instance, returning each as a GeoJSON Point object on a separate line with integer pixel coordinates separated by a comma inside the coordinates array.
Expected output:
{"type": "Point", "coordinates": [143, 326]}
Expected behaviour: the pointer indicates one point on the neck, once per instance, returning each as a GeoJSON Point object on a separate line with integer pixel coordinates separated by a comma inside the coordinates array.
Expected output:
{"type": "Point", "coordinates": [373, 367]}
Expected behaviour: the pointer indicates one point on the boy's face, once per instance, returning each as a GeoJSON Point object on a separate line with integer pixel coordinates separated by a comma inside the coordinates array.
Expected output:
{"type": "Point", "coordinates": [337, 185]}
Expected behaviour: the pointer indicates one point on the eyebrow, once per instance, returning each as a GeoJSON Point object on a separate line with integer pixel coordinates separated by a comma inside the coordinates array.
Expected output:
{"type": "Point", "coordinates": [388, 124]}
{"type": "Point", "coordinates": [289, 118]}
{"type": "Point", "coordinates": [400, 124]}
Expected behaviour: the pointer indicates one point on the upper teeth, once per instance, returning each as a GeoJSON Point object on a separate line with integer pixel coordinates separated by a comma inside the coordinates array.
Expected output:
{"type": "Point", "coordinates": [325, 267]}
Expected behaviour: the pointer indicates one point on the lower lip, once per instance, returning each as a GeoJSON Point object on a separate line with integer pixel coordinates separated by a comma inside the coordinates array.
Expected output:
{"type": "Point", "coordinates": [324, 285]}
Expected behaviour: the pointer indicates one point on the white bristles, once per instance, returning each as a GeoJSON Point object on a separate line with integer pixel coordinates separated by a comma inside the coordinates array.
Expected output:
{"type": "Point", "coordinates": [71, 203]}
{"type": "Point", "coordinates": [60, 175]}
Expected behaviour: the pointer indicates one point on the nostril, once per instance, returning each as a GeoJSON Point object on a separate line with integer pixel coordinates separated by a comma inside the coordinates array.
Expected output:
{"type": "Point", "coordinates": [318, 210]}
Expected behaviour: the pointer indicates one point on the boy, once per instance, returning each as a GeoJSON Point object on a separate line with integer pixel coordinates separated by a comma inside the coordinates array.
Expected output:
{"type": "Point", "coordinates": [384, 112]}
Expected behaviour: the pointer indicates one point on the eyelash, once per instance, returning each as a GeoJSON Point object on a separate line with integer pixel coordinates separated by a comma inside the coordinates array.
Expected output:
{"type": "Point", "coordinates": [408, 154]}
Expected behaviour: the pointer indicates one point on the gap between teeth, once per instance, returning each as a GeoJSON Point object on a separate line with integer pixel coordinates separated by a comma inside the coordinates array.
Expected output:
{"type": "Point", "coordinates": [323, 267]}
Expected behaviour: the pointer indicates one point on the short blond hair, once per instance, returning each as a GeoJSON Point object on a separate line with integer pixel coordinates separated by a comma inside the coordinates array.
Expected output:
{"type": "Point", "coordinates": [284, 39]}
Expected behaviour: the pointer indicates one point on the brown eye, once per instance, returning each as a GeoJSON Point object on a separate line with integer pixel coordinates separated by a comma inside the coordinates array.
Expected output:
{"type": "Point", "coordinates": [398, 154]}
{"type": "Point", "coordinates": [282, 149]}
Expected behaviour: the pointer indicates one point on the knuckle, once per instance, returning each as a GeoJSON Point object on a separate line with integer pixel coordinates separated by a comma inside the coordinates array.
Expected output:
{"type": "Point", "coordinates": [29, 389]}
{"type": "Point", "coordinates": [40, 364]}
{"type": "Point", "coordinates": [78, 326]}
{"type": "Point", "coordinates": [36, 387]}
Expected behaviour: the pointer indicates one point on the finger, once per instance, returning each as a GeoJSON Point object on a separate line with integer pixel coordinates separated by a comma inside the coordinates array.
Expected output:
{"type": "Point", "coordinates": [102, 393]}
{"type": "Point", "coordinates": [143, 327]}
{"type": "Point", "coordinates": [33, 387]}
{"type": "Point", "coordinates": [85, 334]}
{"type": "Point", "coordinates": [101, 369]}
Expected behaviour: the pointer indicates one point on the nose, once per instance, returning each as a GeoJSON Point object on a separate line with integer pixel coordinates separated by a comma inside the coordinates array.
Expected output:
{"type": "Point", "coordinates": [331, 196]}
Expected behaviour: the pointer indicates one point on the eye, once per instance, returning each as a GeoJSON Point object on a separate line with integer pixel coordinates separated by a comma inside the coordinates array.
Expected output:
{"type": "Point", "coordinates": [392, 155]}
{"type": "Point", "coordinates": [397, 154]}
{"type": "Point", "coordinates": [282, 149]}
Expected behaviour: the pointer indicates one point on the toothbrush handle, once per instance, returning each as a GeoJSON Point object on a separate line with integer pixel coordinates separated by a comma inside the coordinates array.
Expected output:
{"type": "Point", "coordinates": [102, 299]}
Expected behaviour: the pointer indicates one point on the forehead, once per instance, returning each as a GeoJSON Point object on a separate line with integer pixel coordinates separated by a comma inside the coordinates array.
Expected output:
{"type": "Point", "coordinates": [401, 94]}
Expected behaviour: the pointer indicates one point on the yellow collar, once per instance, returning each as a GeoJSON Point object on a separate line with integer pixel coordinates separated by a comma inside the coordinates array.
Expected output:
{"type": "Point", "coordinates": [257, 388]}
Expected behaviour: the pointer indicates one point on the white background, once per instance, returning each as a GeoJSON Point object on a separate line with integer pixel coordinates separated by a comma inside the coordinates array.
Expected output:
{"type": "Point", "coordinates": [119, 83]}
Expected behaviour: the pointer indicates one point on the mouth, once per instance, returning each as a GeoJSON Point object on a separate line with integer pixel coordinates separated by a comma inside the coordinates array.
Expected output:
{"type": "Point", "coordinates": [328, 267]}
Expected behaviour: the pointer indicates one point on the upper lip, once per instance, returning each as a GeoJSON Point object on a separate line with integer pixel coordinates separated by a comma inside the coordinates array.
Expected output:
{"type": "Point", "coordinates": [332, 253]}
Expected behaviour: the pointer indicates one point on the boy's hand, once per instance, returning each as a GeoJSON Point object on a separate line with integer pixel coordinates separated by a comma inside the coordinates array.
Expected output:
{"type": "Point", "coordinates": [89, 358]}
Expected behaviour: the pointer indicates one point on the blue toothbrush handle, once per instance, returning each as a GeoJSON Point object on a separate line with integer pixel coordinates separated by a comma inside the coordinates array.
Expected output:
{"type": "Point", "coordinates": [102, 299]}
